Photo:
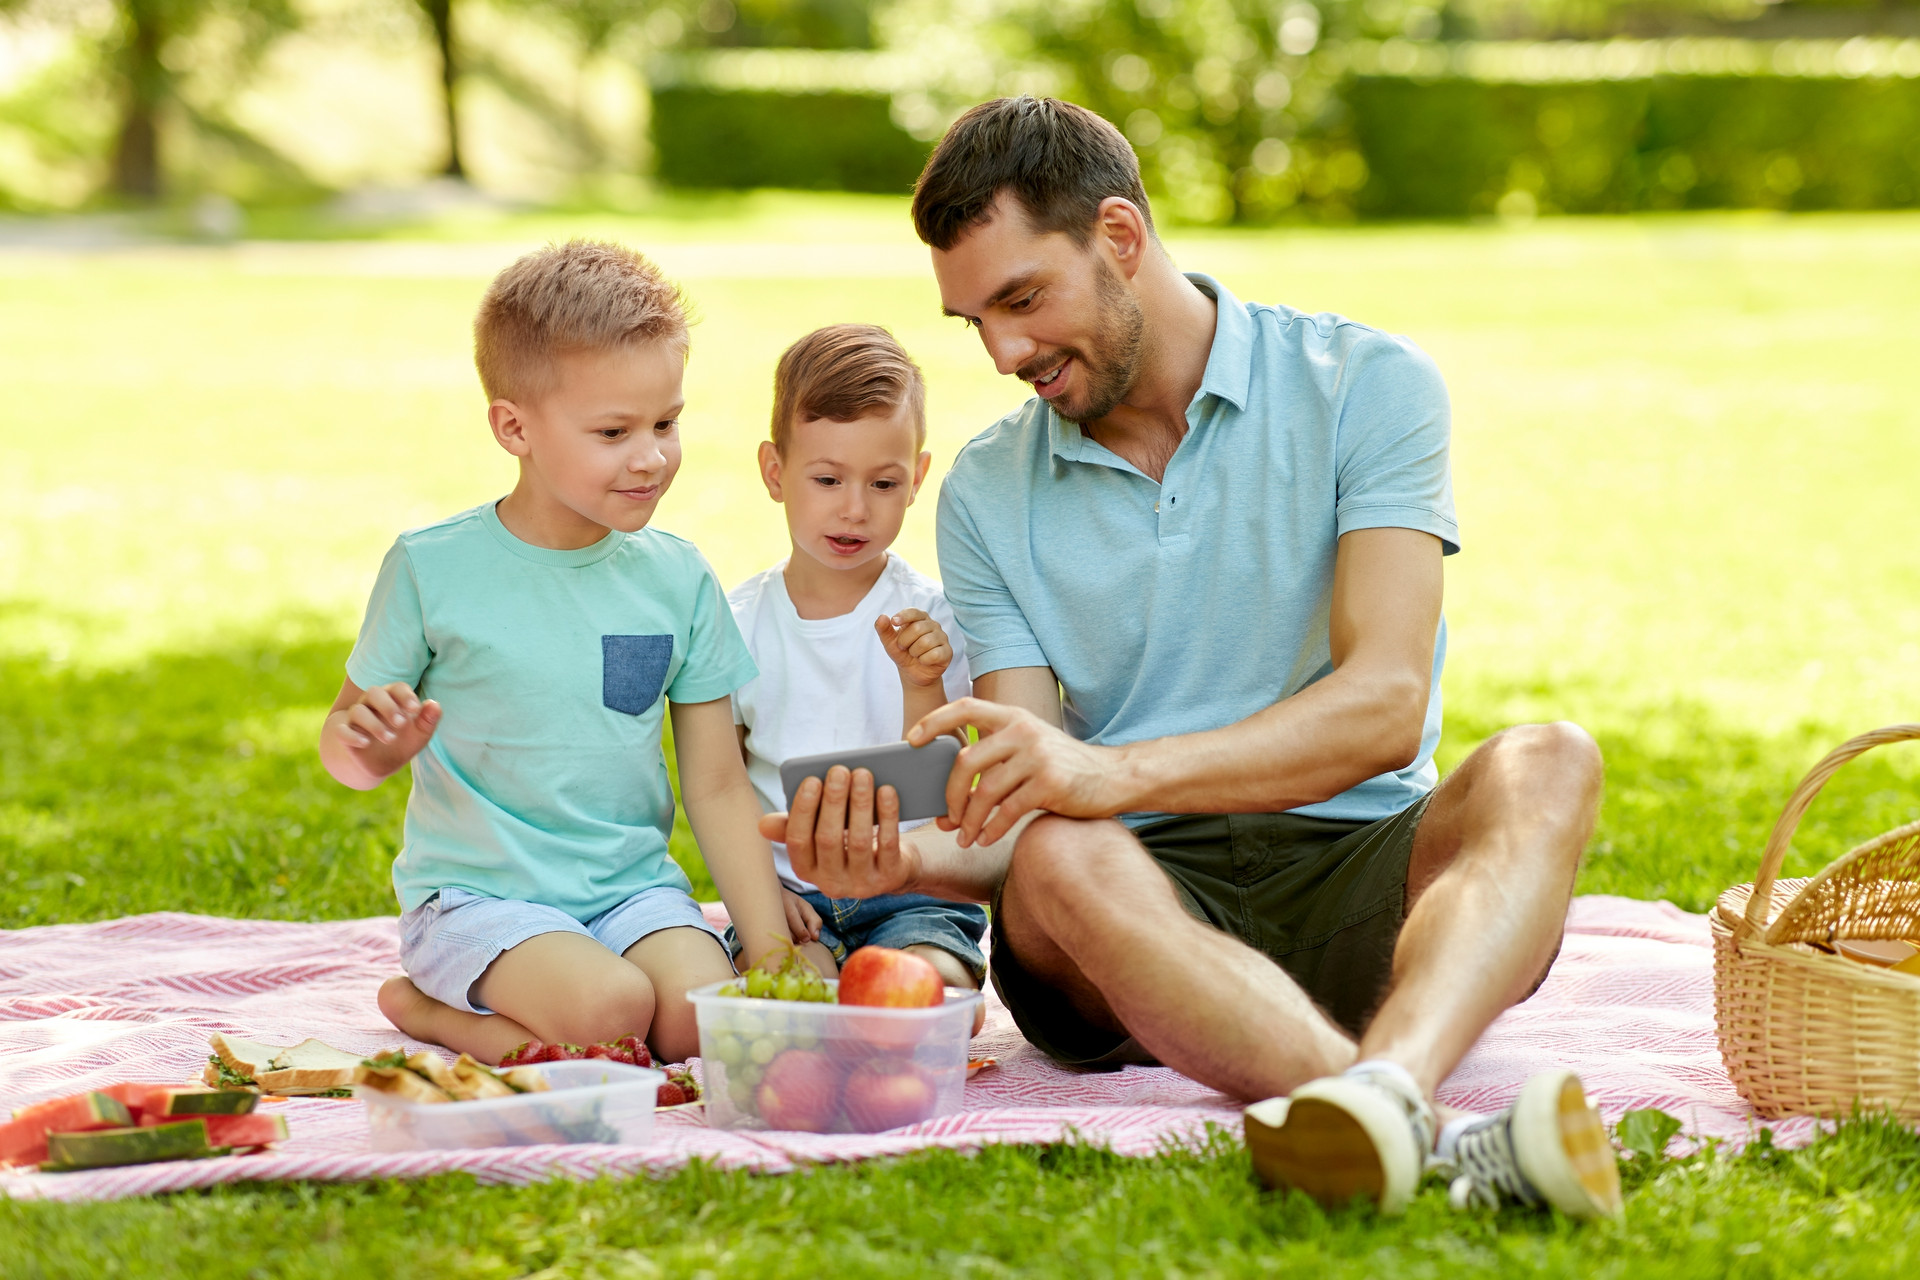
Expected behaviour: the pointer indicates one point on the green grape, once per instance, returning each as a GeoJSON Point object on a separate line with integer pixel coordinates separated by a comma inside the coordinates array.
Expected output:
{"type": "Point", "coordinates": [742, 1094]}
{"type": "Point", "coordinates": [764, 1050]}
{"type": "Point", "coordinates": [731, 990]}
{"type": "Point", "coordinates": [759, 983]}
{"type": "Point", "coordinates": [788, 986]}
{"type": "Point", "coordinates": [730, 1050]}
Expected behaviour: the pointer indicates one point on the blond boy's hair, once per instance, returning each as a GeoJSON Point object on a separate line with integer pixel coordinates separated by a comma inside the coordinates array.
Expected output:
{"type": "Point", "coordinates": [584, 295]}
{"type": "Point", "coordinates": [844, 372]}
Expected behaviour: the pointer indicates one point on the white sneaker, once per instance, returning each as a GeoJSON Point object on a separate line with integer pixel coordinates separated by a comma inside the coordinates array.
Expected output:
{"type": "Point", "coordinates": [1549, 1147]}
{"type": "Point", "coordinates": [1366, 1133]}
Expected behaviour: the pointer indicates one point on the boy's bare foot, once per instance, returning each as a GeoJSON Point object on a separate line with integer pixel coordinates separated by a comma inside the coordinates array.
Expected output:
{"type": "Point", "coordinates": [404, 1005]}
{"type": "Point", "coordinates": [488, 1037]}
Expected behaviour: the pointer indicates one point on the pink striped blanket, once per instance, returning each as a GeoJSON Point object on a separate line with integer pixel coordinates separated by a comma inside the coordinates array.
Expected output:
{"type": "Point", "coordinates": [1628, 1005]}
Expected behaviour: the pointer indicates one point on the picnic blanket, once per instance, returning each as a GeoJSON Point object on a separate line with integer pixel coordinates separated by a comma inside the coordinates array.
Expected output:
{"type": "Point", "coordinates": [1628, 1005]}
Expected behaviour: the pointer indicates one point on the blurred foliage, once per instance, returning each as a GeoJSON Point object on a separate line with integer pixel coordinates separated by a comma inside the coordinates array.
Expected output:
{"type": "Point", "coordinates": [830, 141]}
{"type": "Point", "coordinates": [1456, 147]}
{"type": "Point", "coordinates": [791, 24]}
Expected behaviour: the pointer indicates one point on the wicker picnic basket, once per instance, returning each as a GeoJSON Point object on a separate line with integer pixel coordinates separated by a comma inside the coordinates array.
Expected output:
{"type": "Point", "coordinates": [1804, 1031]}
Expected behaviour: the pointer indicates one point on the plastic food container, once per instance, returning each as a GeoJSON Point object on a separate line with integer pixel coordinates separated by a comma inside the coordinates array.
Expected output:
{"type": "Point", "coordinates": [590, 1101]}
{"type": "Point", "coordinates": [830, 1068]}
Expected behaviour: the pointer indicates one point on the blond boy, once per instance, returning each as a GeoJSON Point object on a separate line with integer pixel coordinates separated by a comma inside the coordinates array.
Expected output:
{"type": "Point", "coordinates": [523, 656]}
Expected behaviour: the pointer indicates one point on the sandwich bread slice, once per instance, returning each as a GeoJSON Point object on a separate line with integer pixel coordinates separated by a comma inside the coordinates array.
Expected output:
{"type": "Point", "coordinates": [309, 1067]}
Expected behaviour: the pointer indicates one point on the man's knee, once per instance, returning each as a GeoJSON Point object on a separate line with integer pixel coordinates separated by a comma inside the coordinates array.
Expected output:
{"type": "Point", "coordinates": [1562, 746]}
{"type": "Point", "coordinates": [1060, 859]}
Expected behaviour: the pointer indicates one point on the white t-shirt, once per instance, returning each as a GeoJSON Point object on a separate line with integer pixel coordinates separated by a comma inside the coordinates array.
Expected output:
{"type": "Point", "coordinates": [825, 683]}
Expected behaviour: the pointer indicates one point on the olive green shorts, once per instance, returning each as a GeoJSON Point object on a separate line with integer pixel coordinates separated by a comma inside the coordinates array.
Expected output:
{"type": "Point", "coordinates": [1323, 898]}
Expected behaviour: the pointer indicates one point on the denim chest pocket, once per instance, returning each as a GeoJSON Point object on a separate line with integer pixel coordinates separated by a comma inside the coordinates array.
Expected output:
{"type": "Point", "coordinates": [632, 669]}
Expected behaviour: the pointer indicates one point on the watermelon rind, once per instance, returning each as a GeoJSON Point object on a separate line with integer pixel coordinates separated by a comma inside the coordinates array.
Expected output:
{"type": "Point", "coordinates": [107, 1147]}
{"type": "Point", "coordinates": [201, 1102]}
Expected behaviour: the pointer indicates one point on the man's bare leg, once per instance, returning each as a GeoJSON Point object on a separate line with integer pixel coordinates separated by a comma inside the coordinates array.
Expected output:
{"type": "Point", "coordinates": [1086, 898]}
{"type": "Point", "coordinates": [1491, 872]}
{"type": "Point", "coordinates": [1491, 875]}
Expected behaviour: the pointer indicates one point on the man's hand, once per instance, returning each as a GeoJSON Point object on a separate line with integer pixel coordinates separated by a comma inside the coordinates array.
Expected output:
{"type": "Point", "coordinates": [843, 837]}
{"type": "Point", "coordinates": [917, 645]}
{"type": "Point", "coordinates": [371, 733]}
{"type": "Point", "coordinates": [1020, 764]}
{"type": "Point", "coordinates": [803, 922]}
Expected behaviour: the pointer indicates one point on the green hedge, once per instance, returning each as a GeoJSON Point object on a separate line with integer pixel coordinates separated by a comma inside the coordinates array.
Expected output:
{"type": "Point", "coordinates": [751, 138]}
{"type": "Point", "coordinates": [1447, 148]}
{"type": "Point", "coordinates": [1433, 149]}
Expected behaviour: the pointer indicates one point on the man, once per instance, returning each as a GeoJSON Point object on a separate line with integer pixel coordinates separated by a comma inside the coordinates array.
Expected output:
{"type": "Point", "coordinates": [1199, 577]}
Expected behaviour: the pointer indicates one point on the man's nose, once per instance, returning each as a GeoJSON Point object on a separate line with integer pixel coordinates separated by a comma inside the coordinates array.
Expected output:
{"type": "Point", "coordinates": [1009, 347]}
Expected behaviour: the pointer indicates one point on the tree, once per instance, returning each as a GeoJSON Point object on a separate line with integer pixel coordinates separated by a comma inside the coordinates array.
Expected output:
{"type": "Point", "coordinates": [439, 15]}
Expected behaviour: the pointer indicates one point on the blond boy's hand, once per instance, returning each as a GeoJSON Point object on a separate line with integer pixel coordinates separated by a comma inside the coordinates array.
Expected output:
{"type": "Point", "coordinates": [917, 645]}
{"type": "Point", "coordinates": [803, 922]}
{"type": "Point", "coordinates": [385, 727]}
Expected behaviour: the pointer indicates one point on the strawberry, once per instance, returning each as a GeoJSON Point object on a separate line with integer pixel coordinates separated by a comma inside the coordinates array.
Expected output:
{"type": "Point", "coordinates": [680, 1089]}
{"type": "Point", "coordinates": [636, 1048]}
{"type": "Point", "coordinates": [531, 1051]}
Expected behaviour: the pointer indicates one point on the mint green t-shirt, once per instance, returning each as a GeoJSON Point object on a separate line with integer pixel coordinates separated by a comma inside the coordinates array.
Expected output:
{"type": "Point", "coordinates": [545, 781]}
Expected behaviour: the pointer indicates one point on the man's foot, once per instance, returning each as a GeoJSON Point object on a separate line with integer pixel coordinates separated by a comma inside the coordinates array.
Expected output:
{"type": "Point", "coordinates": [1366, 1133]}
{"type": "Point", "coordinates": [1548, 1148]}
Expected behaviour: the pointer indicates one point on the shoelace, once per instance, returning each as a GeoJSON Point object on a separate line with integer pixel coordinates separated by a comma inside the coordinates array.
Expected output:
{"type": "Point", "coordinates": [1484, 1167]}
{"type": "Point", "coordinates": [1419, 1114]}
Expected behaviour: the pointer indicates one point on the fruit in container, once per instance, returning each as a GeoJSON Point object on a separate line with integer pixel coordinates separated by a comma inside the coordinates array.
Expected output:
{"type": "Point", "coordinates": [882, 977]}
{"type": "Point", "coordinates": [800, 1090]}
{"type": "Point", "coordinates": [794, 979]}
{"type": "Point", "coordinates": [886, 1095]}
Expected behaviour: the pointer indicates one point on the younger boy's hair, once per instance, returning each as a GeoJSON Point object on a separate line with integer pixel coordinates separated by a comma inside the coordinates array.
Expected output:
{"type": "Point", "coordinates": [843, 372]}
{"type": "Point", "coordinates": [1056, 160]}
{"type": "Point", "coordinates": [584, 295]}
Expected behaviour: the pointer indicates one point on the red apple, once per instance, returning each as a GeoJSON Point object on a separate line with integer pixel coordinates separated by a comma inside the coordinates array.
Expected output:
{"type": "Point", "coordinates": [801, 1090]}
{"type": "Point", "coordinates": [883, 1095]}
{"type": "Point", "coordinates": [883, 977]}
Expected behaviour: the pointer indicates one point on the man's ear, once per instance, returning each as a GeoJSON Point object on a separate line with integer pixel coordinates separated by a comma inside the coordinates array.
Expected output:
{"type": "Point", "coordinates": [509, 427]}
{"type": "Point", "coordinates": [920, 466]}
{"type": "Point", "coordinates": [1121, 229]}
{"type": "Point", "coordinates": [770, 470]}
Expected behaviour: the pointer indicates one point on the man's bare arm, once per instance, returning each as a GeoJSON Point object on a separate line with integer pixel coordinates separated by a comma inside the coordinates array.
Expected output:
{"type": "Point", "coordinates": [1363, 719]}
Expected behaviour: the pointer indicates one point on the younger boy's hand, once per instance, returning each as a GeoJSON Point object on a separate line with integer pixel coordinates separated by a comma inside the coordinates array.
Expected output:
{"type": "Point", "coordinates": [917, 645]}
{"type": "Point", "coordinates": [803, 922]}
{"type": "Point", "coordinates": [387, 726]}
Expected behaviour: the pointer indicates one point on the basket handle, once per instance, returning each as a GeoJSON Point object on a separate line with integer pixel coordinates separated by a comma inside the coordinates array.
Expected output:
{"type": "Point", "coordinates": [1797, 805]}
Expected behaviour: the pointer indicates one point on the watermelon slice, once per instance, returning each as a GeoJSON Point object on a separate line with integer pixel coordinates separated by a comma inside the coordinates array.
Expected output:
{"type": "Point", "coordinates": [105, 1147]}
{"type": "Point", "coordinates": [166, 1100]}
{"type": "Point", "coordinates": [255, 1130]}
{"type": "Point", "coordinates": [24, 1141]}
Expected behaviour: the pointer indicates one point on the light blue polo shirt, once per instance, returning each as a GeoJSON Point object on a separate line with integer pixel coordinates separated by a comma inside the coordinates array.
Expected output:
{"type": "Point", "coordinates": [1194, 603]}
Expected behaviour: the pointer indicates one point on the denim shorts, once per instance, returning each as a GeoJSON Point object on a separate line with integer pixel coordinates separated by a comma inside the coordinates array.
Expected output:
{"type": "Point", "coordinates": [448, 941]}
{"type": "Point", "coordinates": [897, 920]}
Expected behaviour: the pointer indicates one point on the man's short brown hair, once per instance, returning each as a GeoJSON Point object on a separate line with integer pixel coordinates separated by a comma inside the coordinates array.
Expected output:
{"type": "Point", "coordinates": [844, 372]}
{"type": "Point", "coordinates": [1058, 160]}
{"type": "Point", "coordinates": [584, 295]}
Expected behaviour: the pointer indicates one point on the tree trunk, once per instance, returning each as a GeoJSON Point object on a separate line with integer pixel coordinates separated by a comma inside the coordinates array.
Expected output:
{"type": "Point", "coordinates": [440, 14]}
{"type": "Point", "coordinates": [136, 153]}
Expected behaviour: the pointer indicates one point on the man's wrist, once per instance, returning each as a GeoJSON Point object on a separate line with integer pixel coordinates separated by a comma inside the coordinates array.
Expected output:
{"type": "Point", "coordinates": [1128, 778]}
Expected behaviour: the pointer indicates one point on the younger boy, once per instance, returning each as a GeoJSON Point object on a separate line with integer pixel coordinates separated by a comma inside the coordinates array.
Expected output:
{"type": "Point", "coordinates": [846, 460]}
{"type": "Point", "coordinates": [521, 655]}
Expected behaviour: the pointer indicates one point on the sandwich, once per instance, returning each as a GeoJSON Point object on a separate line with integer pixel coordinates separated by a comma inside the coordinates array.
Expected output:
{"type": "Point", "coordinates": [308, 1069]}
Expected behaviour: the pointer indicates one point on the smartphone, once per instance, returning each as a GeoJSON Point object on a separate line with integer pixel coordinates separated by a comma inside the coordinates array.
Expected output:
{"type": "Point", "coordinates": [917, 774]}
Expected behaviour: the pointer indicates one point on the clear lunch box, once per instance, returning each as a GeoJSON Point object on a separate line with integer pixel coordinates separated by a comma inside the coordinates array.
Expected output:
{"type": "Point", "coordinates": [590, 1101]}
{"type": "Point", "coordinates": [830, 1068]}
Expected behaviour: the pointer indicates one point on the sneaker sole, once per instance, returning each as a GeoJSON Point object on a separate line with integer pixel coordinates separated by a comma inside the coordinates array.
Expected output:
{"type": "Point", "coordinates": [1328, 1140]}
{"type": "Point", "coordinates": [1562, 1146]}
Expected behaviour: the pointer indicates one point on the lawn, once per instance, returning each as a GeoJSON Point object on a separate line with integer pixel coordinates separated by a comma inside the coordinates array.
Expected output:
{"type": "Point", "coordinates": [1684, 452]}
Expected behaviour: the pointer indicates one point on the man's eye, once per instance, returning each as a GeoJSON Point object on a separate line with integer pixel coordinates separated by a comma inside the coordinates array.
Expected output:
{"type": "Point", "coordinates": [1026, 302]}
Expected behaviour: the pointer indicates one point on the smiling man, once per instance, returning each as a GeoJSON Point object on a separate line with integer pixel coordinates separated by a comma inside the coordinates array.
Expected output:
{"type": "Point", "coordinates": [1199, 576]}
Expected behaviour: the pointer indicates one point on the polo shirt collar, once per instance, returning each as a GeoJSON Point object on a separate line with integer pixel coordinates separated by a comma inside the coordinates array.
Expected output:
{"type": "Point", "coordinates": [1229, 371]}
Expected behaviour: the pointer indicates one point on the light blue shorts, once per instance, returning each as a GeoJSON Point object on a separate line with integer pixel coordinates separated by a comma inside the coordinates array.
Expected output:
{"type": "Point", "coordinates": [448, 941]}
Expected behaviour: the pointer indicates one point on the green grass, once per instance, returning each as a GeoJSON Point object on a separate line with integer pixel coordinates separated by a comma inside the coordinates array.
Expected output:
{"type": "Point", "coordinates": [1684, 457]}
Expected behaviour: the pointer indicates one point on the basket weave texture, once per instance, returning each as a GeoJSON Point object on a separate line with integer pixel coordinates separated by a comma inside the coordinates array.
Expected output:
{"type": "Point", "coordinates": [1803, 1031]}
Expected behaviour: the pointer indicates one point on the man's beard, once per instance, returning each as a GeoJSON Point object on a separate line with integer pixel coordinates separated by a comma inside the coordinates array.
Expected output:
{"type": "Point", "coordinates": [1121, 324]}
